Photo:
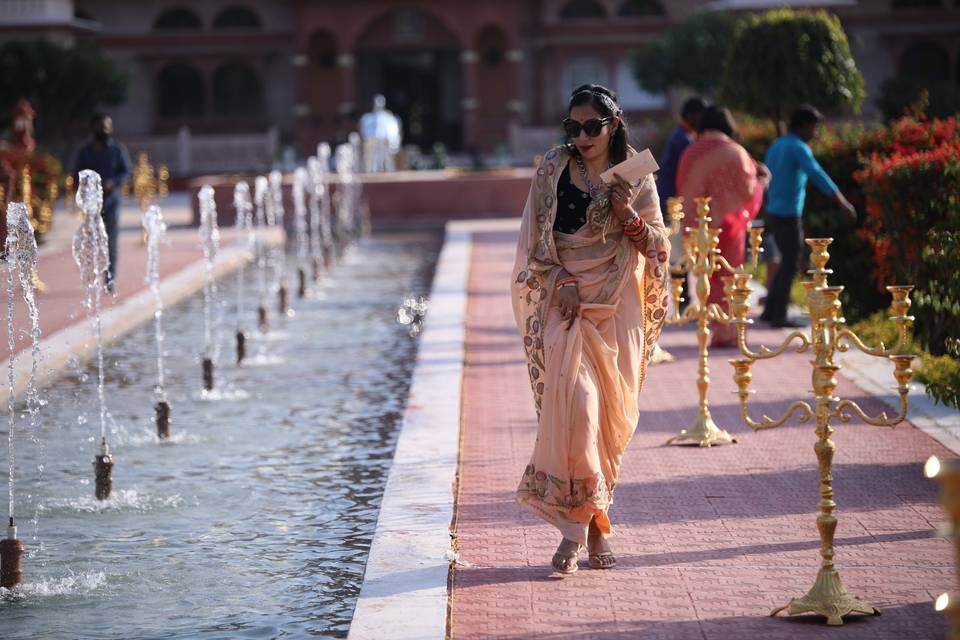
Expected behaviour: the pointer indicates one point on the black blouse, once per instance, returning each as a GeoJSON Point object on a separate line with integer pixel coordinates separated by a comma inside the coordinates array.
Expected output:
{"type": "Point", "coordinates": [572, 205]}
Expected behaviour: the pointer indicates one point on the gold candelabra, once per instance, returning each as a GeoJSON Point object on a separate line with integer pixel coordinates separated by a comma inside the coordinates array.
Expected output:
{"type": "Point", "coordinates": [828, 335]}
{"type": "Point", "coordinates": [947, 473]}
{"type": "Point", "coordinates": [149, 184]}
{"type": "Point", "coordinates": [702, 258]}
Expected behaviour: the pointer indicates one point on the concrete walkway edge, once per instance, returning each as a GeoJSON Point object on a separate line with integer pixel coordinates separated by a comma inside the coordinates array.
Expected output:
{"type": "Point", "coordinates": [404, 591]}
{"type": "Point", "coordinates": [57, 349]}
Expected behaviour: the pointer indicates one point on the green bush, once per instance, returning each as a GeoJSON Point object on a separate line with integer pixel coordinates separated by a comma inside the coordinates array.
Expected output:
{"type": "Point", "coordinates": [783, 58]}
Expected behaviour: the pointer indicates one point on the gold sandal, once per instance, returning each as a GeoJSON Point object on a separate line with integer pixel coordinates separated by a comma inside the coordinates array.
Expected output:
{"type": "Point", "coordinates": [566, 563]}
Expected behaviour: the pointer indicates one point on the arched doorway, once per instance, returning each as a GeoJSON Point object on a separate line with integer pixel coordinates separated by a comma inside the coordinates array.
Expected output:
{"type": "Point", "coordinates": [410, 57]}
{"type": "Point", "coordinates": [237, 92]}
{"type": "Point", "coordinates": [180, 92]}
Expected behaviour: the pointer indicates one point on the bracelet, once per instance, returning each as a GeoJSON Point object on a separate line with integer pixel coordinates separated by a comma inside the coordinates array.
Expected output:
{"type": "Point", "coordinates": [633, 221]}
{"type": "Point", "coordinates": [566, 282]}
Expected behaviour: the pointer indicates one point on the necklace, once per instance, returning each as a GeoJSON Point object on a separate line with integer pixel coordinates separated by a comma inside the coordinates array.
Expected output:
{"type": "Point", "coordinates": [594, 188]}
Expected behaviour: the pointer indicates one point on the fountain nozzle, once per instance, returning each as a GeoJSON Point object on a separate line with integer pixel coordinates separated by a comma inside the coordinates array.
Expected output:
{"type": "Point", "coordinates": [208, 374]}
{"type": "Point", "coordinates": [283, 304]}
{"type": "Point", "coordinates": [241, 346]}
{"type": "Point", "coordinates": [302, 289]}
{"type": "Point", "coordinates": [11, 558]}
{"type": "Point", "coordinates": [103, 468]}
{"type": "Point", "coordinates": [263, 322]}
{"type": "Point", "coordinates": [163, 419]}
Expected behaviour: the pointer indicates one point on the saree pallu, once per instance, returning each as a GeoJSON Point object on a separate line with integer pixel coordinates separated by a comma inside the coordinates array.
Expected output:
{"type": "Point", "coordinates": [586, 376]}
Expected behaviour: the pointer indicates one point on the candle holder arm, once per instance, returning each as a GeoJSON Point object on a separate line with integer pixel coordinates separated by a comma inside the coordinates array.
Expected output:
{"type": "Point", "coordinates": [847, 409]}
{"type": "Point", "coordinates": [880, 350]}
{"type": "Point", "coordinates": [765, 352]}
{"type": "Point", "coordinates": [805, 412]}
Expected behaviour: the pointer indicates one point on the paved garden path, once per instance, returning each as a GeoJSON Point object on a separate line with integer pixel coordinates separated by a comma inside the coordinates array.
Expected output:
{"type": "Point", "coordinates": [708, 540]}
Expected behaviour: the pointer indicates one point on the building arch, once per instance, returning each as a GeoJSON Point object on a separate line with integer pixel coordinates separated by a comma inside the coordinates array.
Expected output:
{"type": "Point", "coordinates": [179, 18]}
{"type": "Point", "coordinates": [640, 8]}
{"type": "Point", "coordinates": [237, 16]}
{"type": "Point", "coordinates": [413, 58]}
{"type": "Point", "coordinates": [237, 91]}
{"type": "Point", "coordinates": [579, 9]}
{"type": "Point", "coordinates": [925, 61]}
{"type": "Point", "coordinates": [180, 92]}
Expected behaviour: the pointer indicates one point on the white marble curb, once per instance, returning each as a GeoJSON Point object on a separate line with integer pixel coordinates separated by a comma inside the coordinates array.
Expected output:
{"type": "Point", "coordinates": [76, 340]}
{"type": "Point", "coordinates": [404, 592]}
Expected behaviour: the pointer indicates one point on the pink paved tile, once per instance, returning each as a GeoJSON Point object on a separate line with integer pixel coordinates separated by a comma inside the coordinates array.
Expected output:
{"type": "Point", "coordinates": [62, 304]}
{"type": "Point", "coordinates": [708, 540]}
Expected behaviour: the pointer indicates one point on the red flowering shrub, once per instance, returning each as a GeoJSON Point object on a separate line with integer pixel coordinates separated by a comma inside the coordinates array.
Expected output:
{"type": "Point", "coordinates": [912, 190]}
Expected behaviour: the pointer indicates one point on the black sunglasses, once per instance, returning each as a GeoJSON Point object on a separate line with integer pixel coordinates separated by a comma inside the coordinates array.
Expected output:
{"type": "Point", "coordinates": [591, 127]}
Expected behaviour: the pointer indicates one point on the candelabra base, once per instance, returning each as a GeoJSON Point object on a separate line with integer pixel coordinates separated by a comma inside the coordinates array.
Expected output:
{"type": "Point", "coordinates": [704, 432]}
{"type": "Point", "coordinates": [828, 598]}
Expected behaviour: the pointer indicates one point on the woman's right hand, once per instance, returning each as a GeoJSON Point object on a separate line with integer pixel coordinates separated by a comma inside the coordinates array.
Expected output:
{"type": "Point", "coordinates": [568, 299]}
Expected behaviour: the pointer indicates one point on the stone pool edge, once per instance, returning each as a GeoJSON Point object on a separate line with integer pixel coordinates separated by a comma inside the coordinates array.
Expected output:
{"type": "Point", "coordinates": [404, 591]}
{"type": "Point", "coordinates": [77, 341]}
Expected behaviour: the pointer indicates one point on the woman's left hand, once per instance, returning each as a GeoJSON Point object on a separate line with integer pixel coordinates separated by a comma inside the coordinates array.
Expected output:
{"type": "Point", "coordinates": [622, 194]}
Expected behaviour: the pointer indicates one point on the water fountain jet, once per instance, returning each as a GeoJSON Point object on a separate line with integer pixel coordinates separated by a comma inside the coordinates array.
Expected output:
{"type": "Point", "coordinates": [156, 230]}
{"type": "Point", "coordinates": [300, 180]}
{"type": "Point", "coordinates": [260, 198]}
{"type": "Point", "coordinates": [90, 254]}
{"type": "Point", "coordinates": [275, 216]}
{"type": "Point", "coordinates": [21, 252]}
{"type": "Point", "coordinates": [210, 243]}
{"type": "Point", "coordinates": [322, 188]}
{"type": "Point", "coordinates": [245, 231]}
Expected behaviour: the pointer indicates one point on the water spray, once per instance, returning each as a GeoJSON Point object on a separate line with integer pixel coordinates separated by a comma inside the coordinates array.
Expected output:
{"type": "Point", "coordinates": [21, 251]}
{"type": "Point", "coordinates": [210, 243]}
{"type": "Point", "coordinates": [275, 216]}
{"type": "Point", "coordinates": [301, 233]}
{"type": "Point", "coordinates": [261, 187]}
{"type": "Point", "coordinates": [90, 254]}
{"type": "Point", "coordinates": [156, 231]}
{"type": "Point", "coordinates": [247, 235]}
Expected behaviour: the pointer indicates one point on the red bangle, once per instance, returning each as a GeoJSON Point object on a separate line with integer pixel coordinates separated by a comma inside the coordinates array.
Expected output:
{"type": "Point", "coordinates": [566, 281]}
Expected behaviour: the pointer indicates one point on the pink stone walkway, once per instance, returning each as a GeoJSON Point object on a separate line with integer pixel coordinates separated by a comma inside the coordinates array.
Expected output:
{"type": "Point", "coordinates": [708, 540]}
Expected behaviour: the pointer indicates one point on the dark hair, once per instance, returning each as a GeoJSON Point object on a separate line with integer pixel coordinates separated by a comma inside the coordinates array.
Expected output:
{"type": "Point", "coordinates": [604, 101]}
{"type": "Point", "coordinates": [717, 118]}
{"type": "Point", "coordinates": [804, 115]}
{"type": "Point", "coordinates": [692, 107]}
{"type": "Point", "coordinates": [97, 118]}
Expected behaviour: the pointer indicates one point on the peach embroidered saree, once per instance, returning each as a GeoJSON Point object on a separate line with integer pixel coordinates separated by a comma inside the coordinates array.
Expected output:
{"type": "Point", "coordinates": [586, 378]}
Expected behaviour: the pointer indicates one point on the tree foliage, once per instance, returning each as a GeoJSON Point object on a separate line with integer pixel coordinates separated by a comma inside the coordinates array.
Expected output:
{"type": "Point", "coordinates": [782, 58]}
{"type": "Point", "coordinates": [65, 85]}
{"type": "Point", "coordinates": [691, 55]}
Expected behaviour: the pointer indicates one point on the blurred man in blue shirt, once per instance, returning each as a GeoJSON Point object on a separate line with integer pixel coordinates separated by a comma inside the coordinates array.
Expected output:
{"type": "Point", "coordinates": [110, 159]}
{"type": "Point", "coordinates": [791, 164]}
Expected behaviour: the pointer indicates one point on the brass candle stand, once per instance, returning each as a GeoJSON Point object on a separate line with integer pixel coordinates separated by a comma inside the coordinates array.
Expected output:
{"type": "Point", "coordinates": [827, 336]}
{"type": "Point", "coordinates": [702, 258]}
{"type": "Point", "coordinates": [149, 184]}
{"type": "Point", "coordinates": [947, 473]}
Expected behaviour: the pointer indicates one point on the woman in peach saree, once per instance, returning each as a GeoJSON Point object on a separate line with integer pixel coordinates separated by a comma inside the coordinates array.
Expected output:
{"type": "Point", "coordinates": [589, 299]}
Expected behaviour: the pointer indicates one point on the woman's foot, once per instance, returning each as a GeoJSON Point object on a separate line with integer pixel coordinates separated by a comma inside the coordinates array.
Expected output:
{"type": "Point", "coordinates": [600, 554]}
{"type": "Point", "coordinates": [565, 559]}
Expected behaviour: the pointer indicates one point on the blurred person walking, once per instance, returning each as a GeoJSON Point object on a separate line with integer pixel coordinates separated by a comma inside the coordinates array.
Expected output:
{"type": "Point", "coordinates": [109, 158]}
{"type": "Point", "coordinates": [791, 163]}
{"type": "Point", "coordinates": [718, 167]}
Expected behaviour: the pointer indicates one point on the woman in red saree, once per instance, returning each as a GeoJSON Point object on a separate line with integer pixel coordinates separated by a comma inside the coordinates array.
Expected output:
{"type": "Point", "coordinates": [589, 300]}
{"type": "Point", "coordinates": [716, 166]}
